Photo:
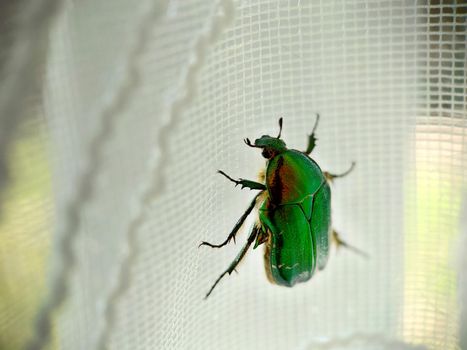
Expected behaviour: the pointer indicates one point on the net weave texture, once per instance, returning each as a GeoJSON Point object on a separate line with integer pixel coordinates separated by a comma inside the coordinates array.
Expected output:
{"type": "Point", "coordinates": [141, 102]}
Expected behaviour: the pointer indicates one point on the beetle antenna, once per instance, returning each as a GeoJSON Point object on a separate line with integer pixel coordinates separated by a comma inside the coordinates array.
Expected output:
{"type": "Point", "coordinates": [280, 128]}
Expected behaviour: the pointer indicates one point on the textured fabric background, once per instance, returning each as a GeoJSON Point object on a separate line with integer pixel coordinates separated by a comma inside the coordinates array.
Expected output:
{"type": "Point", "coordinates": [139, 103]}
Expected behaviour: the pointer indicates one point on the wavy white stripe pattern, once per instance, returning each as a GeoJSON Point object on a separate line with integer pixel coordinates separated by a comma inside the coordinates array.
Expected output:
{"type": "Point", "coordinates": [223, 15]}
{"type": "Point", "coordinates": [116, 102]}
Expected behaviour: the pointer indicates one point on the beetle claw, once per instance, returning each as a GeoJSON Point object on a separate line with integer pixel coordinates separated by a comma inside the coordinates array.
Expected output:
{"type": "Point", "coordinates": [227, 241]}
{"type": "Point", "coordinates": [210, 245]}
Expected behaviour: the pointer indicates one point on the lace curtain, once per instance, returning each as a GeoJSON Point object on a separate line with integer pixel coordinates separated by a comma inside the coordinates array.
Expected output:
{"type": "Point", "coordinates": [115, 116]}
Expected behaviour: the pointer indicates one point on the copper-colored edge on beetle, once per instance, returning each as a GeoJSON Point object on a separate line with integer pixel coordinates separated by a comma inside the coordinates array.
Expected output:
{"type": "Point", "coordinates": [267, 261]}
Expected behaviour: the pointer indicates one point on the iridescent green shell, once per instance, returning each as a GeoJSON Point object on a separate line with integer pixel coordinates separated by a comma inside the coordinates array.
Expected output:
{"type": "Point", "coordinates": [297, 216]}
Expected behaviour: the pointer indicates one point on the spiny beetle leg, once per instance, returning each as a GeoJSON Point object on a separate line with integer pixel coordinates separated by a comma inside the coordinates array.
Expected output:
{"type": "Point", "coordinates": [312, 138]}
{"type": "Point", "coordinates": [252, 185]}
{"type": "Point", "coordinates": [341, 243]}
{"type": "Point", "coordinates": [237, 260]}
{"type": "Point", "coordinates": [330, 177]}
{"type": "Point", "coordinates": [236, 227]}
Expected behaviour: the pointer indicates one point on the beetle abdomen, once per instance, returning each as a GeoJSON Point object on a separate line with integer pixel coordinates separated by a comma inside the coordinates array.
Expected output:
{"type": "Point", "coordinates": [291, 176]}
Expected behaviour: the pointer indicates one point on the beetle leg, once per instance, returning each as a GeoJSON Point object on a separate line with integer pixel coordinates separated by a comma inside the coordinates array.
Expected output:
{"type": "Point", "coordinates": [236, 227]}
{"type": "Point", "coordinates": [237, 260]}
{"type": "Point", "coordinates": [312, 138]}
{"type": "Point", "coordinates": [341, 243]}
{"type": "Point", "coordinates": [261, 237]}
{"type": "Point", "coordinates": [252, 185]}
{"type": "Point", "coordinates": [330, 177]}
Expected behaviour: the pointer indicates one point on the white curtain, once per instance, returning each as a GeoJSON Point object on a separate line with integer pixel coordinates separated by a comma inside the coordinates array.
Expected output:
{"type": "Point", "coordinates": [115, 116]}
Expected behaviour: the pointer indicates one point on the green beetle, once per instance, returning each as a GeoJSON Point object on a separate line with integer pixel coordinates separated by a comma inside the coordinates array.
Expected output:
{"type": "Point", "coordinates": [294, 219]}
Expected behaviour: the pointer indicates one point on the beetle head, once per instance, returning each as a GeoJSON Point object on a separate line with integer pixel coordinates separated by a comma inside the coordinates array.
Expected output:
{"type": "Point", "coordinates": [271, 146]}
